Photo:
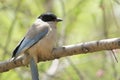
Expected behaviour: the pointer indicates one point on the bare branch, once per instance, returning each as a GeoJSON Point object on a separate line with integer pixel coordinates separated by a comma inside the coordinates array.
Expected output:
{"type": "Point", "coordinates": [81, 48]}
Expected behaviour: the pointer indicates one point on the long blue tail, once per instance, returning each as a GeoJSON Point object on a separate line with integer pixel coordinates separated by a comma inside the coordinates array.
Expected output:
{"type": "Point", "coordinates": [34, 70]}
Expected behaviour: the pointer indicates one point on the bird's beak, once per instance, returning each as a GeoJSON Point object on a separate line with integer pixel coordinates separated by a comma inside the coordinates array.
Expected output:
{"type": "Point", "coordinates": [59, 19]}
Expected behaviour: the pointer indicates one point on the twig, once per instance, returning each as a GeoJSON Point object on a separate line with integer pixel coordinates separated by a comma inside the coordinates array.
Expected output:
{"type": "Point", "coordinates": [81, 48]}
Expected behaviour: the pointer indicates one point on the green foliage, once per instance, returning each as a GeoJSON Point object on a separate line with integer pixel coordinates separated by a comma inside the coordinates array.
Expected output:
{"type": "Point", "coordinates": [83, 20]}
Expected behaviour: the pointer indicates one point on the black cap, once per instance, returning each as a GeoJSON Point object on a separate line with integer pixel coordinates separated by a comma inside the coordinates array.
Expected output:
{"type": "Point", "coordinates": [49, 17]}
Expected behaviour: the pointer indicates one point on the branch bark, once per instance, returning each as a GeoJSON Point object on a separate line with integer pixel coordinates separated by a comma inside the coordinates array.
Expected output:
{"type": "Point", "coordinates": [81, 48]}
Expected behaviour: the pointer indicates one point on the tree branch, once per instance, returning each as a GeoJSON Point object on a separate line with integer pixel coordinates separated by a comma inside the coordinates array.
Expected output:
{"type": "Point", "coordinates": [81, 48]}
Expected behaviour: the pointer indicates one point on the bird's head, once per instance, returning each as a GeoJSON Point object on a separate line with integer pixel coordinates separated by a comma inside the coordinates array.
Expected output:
{"type": "Point", "coordinates": [49, 17]}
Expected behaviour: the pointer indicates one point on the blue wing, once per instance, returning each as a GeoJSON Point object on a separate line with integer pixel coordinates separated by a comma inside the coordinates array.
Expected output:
{"type": "Point", "coordinates": [27, 43]}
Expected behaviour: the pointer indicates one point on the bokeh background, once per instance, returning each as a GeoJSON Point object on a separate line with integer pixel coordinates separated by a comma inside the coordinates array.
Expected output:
{"type": "Point", "coordinates": [83, 20]}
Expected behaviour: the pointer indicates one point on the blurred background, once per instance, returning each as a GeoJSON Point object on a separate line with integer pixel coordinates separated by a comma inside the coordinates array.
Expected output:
{"type": "Point", "coordinates": [83, 20]}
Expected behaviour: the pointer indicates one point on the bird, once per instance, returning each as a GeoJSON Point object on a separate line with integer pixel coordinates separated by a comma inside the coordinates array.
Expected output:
{"type": "Point", "coordinates": [39, 41]}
